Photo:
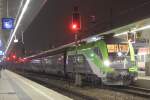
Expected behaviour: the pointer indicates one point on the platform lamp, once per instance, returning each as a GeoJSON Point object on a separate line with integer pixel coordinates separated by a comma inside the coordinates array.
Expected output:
{"type": "Point", "coordinates": [15, 40]}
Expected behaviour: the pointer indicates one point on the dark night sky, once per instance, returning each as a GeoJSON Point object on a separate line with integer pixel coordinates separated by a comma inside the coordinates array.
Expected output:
{"type": "Point", "coordinates": [51, 26]}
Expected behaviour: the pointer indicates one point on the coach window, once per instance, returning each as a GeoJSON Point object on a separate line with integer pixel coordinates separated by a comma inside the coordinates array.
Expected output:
{"type": "Point", "coordinates": [71, 59]}
{"type": "Point", "coordinates": [48, 61]}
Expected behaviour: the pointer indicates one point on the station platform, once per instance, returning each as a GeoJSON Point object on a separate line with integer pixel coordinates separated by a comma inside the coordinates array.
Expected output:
{"type": "Point", "coordinates": [16, 87]}
{"type": "Point", "coordinates": [143, 80]}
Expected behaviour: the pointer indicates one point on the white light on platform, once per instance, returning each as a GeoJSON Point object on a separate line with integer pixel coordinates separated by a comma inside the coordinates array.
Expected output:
{"type": "Point", "coordinates": [15, 40]}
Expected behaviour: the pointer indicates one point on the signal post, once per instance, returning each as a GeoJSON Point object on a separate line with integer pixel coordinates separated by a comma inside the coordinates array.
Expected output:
{"type": "Point", "coordinates": [76, 26]}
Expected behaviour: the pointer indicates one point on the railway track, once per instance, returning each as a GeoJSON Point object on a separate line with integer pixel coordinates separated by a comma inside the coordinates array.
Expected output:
{"type": "Point", "coordinates": [44, 80]}
{"type": "Point", "coordinates": [142, 92]}
{"type": "Point", "coordinates": [139, 89]}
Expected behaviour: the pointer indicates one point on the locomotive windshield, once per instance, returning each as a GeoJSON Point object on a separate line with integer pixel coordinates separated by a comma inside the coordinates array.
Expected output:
{"type": "Point", "coordinates": [117, 52]}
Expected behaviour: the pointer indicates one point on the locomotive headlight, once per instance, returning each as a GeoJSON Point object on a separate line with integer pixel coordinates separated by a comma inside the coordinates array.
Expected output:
{"type": "Point", "coordinates": [106, 63]}
{"type": "Point", "coordinates": [119, 54]}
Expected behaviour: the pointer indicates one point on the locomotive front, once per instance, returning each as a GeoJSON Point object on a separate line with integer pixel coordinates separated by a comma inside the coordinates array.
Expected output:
{"type": "Point", "coordinates": [122, 61]}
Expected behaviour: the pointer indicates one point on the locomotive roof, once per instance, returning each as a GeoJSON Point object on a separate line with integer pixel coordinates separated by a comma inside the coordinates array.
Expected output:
{"type": "Point", "coordinates": [62, 49]}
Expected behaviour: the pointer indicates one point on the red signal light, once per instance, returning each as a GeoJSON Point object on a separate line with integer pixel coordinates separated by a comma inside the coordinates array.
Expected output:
{"type": "Point", "coordinates": [14, 56]}
{"type": "Point", "coordinates": [74, 26]}
{"type": "Point", "coordinates": [76, 19]}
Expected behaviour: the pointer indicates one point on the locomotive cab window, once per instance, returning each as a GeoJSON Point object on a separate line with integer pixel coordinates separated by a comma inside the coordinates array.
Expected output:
{"type": "Point", "coordinates": [117, 52]}
{"type": "Point", "coordinates": [98, 52]}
